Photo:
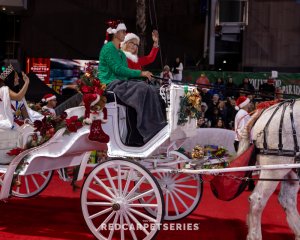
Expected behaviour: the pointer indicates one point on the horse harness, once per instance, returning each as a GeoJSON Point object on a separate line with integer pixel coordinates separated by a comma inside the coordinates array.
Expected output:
{"type": "Point", "coordinates": [281, 151]}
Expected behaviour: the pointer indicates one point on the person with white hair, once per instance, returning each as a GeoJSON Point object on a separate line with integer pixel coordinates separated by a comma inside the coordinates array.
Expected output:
{"type": "Point", "coordinates": [130, 47]}
{"type": "Point", "coordinates": [166, 73]}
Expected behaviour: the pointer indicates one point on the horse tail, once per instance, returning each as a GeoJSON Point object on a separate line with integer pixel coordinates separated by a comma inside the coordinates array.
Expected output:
{"type": "Point", "coordinates": [245, 135]}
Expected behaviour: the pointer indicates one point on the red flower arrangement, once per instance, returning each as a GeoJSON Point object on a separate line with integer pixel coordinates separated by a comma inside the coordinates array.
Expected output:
{"type": "Point", "coordinates": [15, 151]}
{"type": "Point", "coordinates": [92, 89]}
{"type": "Point", "coordinates": [47, 127]}
{"type": "Point", "coordinates": [74, 123]}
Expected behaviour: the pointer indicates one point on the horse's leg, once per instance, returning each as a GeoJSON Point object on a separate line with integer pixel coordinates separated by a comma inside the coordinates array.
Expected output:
{"type": "Point", "coordinates": [288, 200]}
{"type": "Point", "coordinates": [262, 192]}
{"type": "Point", "coordinates": [258, 200]}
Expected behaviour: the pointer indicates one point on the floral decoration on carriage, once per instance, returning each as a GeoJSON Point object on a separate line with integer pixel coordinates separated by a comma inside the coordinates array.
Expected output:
{"type": "Point", "coordinates": [190, 106]}
{"type": "Point", "coordinates": [94, 101]}
{"type": "Point", "coordinates": [95, 114]}
{"type": "Point", "coordinates": [208, 157]}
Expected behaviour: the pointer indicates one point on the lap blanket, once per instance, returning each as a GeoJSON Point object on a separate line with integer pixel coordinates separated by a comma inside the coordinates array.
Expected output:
{"type": "Point", "coordinates": [145, 100]}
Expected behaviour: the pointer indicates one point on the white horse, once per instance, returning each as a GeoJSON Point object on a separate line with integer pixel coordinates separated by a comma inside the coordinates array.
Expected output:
{"type": "Point", "coordinates": [266, 135]}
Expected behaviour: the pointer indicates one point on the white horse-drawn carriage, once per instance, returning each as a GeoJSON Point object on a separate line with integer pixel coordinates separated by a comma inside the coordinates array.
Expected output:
{"type": "Point", "coordinates": [129, 195]}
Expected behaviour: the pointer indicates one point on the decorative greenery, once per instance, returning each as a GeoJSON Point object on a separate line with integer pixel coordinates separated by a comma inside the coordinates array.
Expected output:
{"type": "Point", "coordinates": [89, 82]}
{"type": "Point", "coordinates": [190, 106]}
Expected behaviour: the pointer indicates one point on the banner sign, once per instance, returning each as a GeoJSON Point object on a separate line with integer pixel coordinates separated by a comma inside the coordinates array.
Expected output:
{"type": "Point", "coordinates": [39, 66]}
{"type": "Point", "coordinates": [288, 82]}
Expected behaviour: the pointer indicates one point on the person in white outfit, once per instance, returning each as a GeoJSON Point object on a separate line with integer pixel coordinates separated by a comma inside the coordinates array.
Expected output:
{"type": "Point", "coordinates": [241, 118]}
{"type": "Point", "coordinates": [12, 102]}
{"type": "Point", "coordinates": [177, 70]}
{"type": "Point", "coordinates": [13, 113]}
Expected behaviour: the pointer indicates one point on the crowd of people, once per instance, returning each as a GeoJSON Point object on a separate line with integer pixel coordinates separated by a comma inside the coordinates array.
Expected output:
{"type": "Point", "coordinates": [219, 100]}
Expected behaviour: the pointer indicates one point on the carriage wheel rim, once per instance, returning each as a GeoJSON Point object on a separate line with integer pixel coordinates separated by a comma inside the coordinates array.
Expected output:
{"type": "Point", "coordinates": [31, 185]}
{"type": "Point", "coordinates": [173, 186]}
{"type": "Point", "coordinates": [118, 200]}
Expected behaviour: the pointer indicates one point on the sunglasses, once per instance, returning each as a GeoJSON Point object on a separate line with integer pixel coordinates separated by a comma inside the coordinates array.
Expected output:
{"type": "Point", "coordinates": [137, 45]}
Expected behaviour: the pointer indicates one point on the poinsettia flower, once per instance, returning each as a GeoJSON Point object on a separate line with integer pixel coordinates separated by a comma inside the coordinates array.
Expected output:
{"type": "Point", "coordinates": [15, 151]}
{"type": "Point", "coordinates": [64, 115]}
{"type": "Point", "coordinates": [42, 126]}
{"type": "Point", "coordinates": [73, 124]}
{"type": "Point", "coordinates": [86, 89]}
{"type": "Point", "coordinates": [71, 119]}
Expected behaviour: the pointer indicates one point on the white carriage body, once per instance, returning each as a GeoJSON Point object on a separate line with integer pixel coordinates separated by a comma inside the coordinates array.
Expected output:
{"type": "Point", "coordinates": [71, 150]}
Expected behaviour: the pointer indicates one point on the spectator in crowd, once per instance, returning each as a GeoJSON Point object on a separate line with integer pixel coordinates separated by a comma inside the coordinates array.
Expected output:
{"type": "Point", "coordinates": [231, 88]}
{"type": "Point", "coordinates": [267, 90]}
{"type": "Point", "coordinates": [215, 116]}
{"type": "Point", "coordinates": [246, 87]}
{"type": "Point", "coordinates": [50, 101]}
{"type": "Point", "coordinates": [203, 81]}
{"type": "Point", "coordinates": [203, 108]}
{"type": "Point", "coordinates": [130, 47]}
{"type": "Point", "coordinates": [214, 103]}
{"type": "Point", "coordinates": [203, 123]}
{"type": "Point", "coordinates": [220, 123]}
{"type": "Point", "coordinates": [166, 73]}
{"type": "Point", "coordinates": [222, 109]}
{"type": "Point", "coordinates": [177, 70]}
{"type": "Point", "coordinates": [219, 87]}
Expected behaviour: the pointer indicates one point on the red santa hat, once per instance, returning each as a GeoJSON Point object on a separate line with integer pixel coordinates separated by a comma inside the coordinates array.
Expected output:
{"type": "Point", "coordinates": [114, 27]}
{"type": "Point", "coordinates": [90, 99]}
{"type": "Point", "coordinates": [48, 97]}
{"type": "Point", "coordinates": [128, 37]}
{"type": "Point", "coordinates": [241, 102]}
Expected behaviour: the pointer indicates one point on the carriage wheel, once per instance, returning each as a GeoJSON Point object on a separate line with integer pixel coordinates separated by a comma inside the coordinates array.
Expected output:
{"type": "Point", "coordinates": [27, 186]}
{"type": "Point", "coordinates": [110, 201]}
{"type": "Point", "coordinates": [182, 193]}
